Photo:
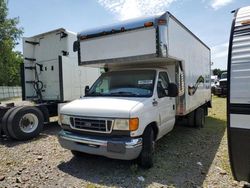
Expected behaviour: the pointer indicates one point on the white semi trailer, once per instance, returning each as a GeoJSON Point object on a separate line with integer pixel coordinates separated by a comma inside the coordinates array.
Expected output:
{"type": "Point", "coordinates": [50, 75]}
{"type": "Point", "coordinates": [238, 95]}
{"type": "Point", "coordinates": [157, 71]}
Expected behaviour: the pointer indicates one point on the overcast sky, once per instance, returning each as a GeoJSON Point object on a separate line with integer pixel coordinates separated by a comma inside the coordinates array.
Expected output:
{"type": "Point", "coordinates": [210, 20]}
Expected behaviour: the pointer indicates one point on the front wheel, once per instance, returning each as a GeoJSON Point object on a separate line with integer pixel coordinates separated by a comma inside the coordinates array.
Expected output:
{"type": "Point", "coordinates": [148, 145]}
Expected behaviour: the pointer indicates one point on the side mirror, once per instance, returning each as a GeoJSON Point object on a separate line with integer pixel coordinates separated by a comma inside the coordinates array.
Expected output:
{"type": "Point", "coordinates": [172, 90]}
{"type": "Point", "coordinates": [75, 46]}
{"type": "Point", "coordinates": [86, 90]}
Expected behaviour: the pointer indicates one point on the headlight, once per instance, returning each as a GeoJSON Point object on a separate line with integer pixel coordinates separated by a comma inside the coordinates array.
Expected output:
{"type": "Point", "coordinates": [126, 124]}
{"type": "Point", "coordinates": [64, 119]}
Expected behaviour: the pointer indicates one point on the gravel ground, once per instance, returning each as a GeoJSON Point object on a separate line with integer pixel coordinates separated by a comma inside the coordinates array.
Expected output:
{"type": "Point", "coordinates": [186, 157]}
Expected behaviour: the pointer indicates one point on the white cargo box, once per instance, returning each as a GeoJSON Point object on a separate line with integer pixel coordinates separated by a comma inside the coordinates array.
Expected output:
{"type": "Point", "coordinates": [154, 41]}
{"type": "Point", "coordinates": [50, 71]}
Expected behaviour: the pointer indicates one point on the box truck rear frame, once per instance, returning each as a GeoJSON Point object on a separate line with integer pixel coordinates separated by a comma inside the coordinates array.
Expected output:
{"type": "Point", "coordinates": [49, 76]}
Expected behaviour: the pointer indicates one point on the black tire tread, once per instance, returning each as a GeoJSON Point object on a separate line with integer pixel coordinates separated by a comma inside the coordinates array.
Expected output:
{"type": "Point", "coordinates": [15, 117]}
{"type": "Point", "coordinates": [5, 121]}
{"type": "Point", "coordinates": [199, 118]}
{"type": "Point", "coordinates": [145, 159]}
{"type": "Point", "coordinates": [191, 119]}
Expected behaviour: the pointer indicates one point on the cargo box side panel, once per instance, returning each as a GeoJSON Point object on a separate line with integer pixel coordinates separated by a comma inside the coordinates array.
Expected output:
{"type": "Point", "coordinates": [75, 78]}
{"type": "Point", "coordinates": [133, 43]}
{"type": "Point", "coordinates": [41, 54]}
{"type": "Point", "coordinates": [28, 52]}
{"type": "Point", "coordinates": [50, 78]}
{"type": "Point", "coordinates": [195, 58]}
{"type": "Point", "coordinates": [50, 46]}
{"type": "Point", "coordinates": [71, 38]}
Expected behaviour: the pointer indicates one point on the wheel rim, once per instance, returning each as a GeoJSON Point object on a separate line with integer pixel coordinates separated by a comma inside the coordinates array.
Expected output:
{"type": "Point", "coordinates": [28, 123]}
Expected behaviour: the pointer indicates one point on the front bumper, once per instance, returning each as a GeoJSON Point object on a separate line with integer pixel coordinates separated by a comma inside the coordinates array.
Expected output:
{"type": "Point", "coordinates": [220, 91]}
{"type": "Point", "coordinates": [124, 148]}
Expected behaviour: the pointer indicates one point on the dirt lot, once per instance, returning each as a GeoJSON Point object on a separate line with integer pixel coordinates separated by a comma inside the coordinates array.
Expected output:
{"type": "Point", "coordinates": [186, 157]}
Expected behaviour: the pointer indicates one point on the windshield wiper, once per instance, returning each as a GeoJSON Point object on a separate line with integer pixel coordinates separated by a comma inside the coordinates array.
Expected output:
{"type": "Point", "coordinates": [94, 94]}
{"type": "Point", "coordinates": [126, 93]}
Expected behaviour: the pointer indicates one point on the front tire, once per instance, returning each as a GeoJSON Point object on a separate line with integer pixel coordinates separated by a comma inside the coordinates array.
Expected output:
{"type": "Point", "coordinates": [145, 159]}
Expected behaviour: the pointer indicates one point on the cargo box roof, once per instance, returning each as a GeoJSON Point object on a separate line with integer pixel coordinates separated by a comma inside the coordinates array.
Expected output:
{"type": "Point", "coordinates": [52, 31]}
{"type": "Point", "coordinates": [126, 25]}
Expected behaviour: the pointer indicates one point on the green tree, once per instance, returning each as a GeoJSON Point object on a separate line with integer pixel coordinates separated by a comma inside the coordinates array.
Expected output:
{"type": "Point", "coordinates": [10, 60]}
{"type": "Point", "coordinates": [217, 72]}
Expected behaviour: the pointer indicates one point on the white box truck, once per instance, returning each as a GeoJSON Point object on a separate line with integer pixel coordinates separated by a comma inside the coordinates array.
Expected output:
{"type": "Point", "coordinates": [50, 75]}
{"type": "Point", "coordinates": [238, 95]}
{"type": "Point", "coordinates": [157, 71]}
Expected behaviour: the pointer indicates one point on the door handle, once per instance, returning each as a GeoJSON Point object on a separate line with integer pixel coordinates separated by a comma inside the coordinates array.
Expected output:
{"type": "Point", "coordinates": [155, 103]}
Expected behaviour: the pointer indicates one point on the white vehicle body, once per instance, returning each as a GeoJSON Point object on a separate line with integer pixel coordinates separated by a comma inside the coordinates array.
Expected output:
{"type": "Point", "coordinates": [50, 54]}
{"type": "Point", "coordinates": [214, 80]}
{"type": "Point", "coordinates": [238, 95]}
{"type": "Point", "coordinates": [167, 52]}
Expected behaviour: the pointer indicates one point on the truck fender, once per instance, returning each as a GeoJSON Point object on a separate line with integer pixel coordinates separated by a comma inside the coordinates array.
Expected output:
{"type": "Point", "coordinates": [45, 113]}
{"type": "Point", "coordinates": [155, 129]}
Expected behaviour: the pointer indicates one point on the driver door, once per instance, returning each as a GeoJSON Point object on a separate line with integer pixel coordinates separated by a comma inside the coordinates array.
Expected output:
{"type": "Point", "coordinates": [166, 105]}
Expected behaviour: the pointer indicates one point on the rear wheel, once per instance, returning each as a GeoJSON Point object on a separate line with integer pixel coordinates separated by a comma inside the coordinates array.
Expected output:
{"type": "Point", "coordinates": [5, 120]}
{"type": "Point", "coordinates": [148, 145]}
{"type": "Point", "coordinates": [25, 123]}
{"type": "Point", "coordinates": [191, 119]}
{"type": "Point", "coordinates": [199, 118]}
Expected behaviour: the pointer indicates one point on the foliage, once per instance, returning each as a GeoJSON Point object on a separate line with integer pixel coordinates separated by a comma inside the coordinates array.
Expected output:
{"type": "Point", "coordinates": [10, 61]}
{"type": "Point", "coordinates": [217, 72]}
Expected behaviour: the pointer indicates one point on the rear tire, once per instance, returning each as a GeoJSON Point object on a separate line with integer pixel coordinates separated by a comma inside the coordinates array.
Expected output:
{"type": "Point", "coordinates": [25, 123]}
{"type": "Point", "coordinates": [145, 159]}
{"type": "Point", "coordinates": [191, 119]}
{"type": "Point", "coordinates": [199, 118]}
{"type": "Point", "coordinates": [5, 121]}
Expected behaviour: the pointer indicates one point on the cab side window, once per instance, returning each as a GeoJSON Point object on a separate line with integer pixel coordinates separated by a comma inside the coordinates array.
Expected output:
{"type": "Point", "coordinates": [162, 84]}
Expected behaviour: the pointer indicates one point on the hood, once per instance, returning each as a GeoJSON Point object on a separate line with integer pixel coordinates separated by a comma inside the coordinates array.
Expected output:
{"type": "Point", "coordinates": [223, 79]}
{"type": "Point", "coordinates": [101, 107]}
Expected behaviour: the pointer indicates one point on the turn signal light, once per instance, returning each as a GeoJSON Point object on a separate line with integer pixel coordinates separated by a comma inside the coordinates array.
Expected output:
{"type": "Point", "coordinates": [148, 24]}
{"type": "Point", "coordinates": [133, 124]}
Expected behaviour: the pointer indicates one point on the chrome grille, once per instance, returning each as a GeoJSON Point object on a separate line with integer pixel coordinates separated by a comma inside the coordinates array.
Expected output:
{"type": "Point", "coordinates": [91, 125]}
{"type": "Point", "coordinates": [223, 84]}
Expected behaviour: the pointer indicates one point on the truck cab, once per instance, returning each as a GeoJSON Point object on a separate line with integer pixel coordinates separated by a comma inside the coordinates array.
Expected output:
{"type": "Point", "coordinates": [221, 88]}
{"type": "Point", "coordinates": [121, 108]}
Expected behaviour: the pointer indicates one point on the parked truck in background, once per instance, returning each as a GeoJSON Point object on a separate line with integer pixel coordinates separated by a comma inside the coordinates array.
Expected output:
{"type": "Point", "coordinates": [158, 71]}
{"type": "Point", "coordinates": [238, 95]}
{"type": "Point", "coordinates": [50, 75]}
{"type": "Point", "coordinates": [221, 88]}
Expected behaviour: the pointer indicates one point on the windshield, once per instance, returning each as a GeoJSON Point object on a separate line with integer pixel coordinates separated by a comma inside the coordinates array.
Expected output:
{"type": "Point", "coordinates": [128, 83]}
{"type": "Point", "coordinates": [224, 75]}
